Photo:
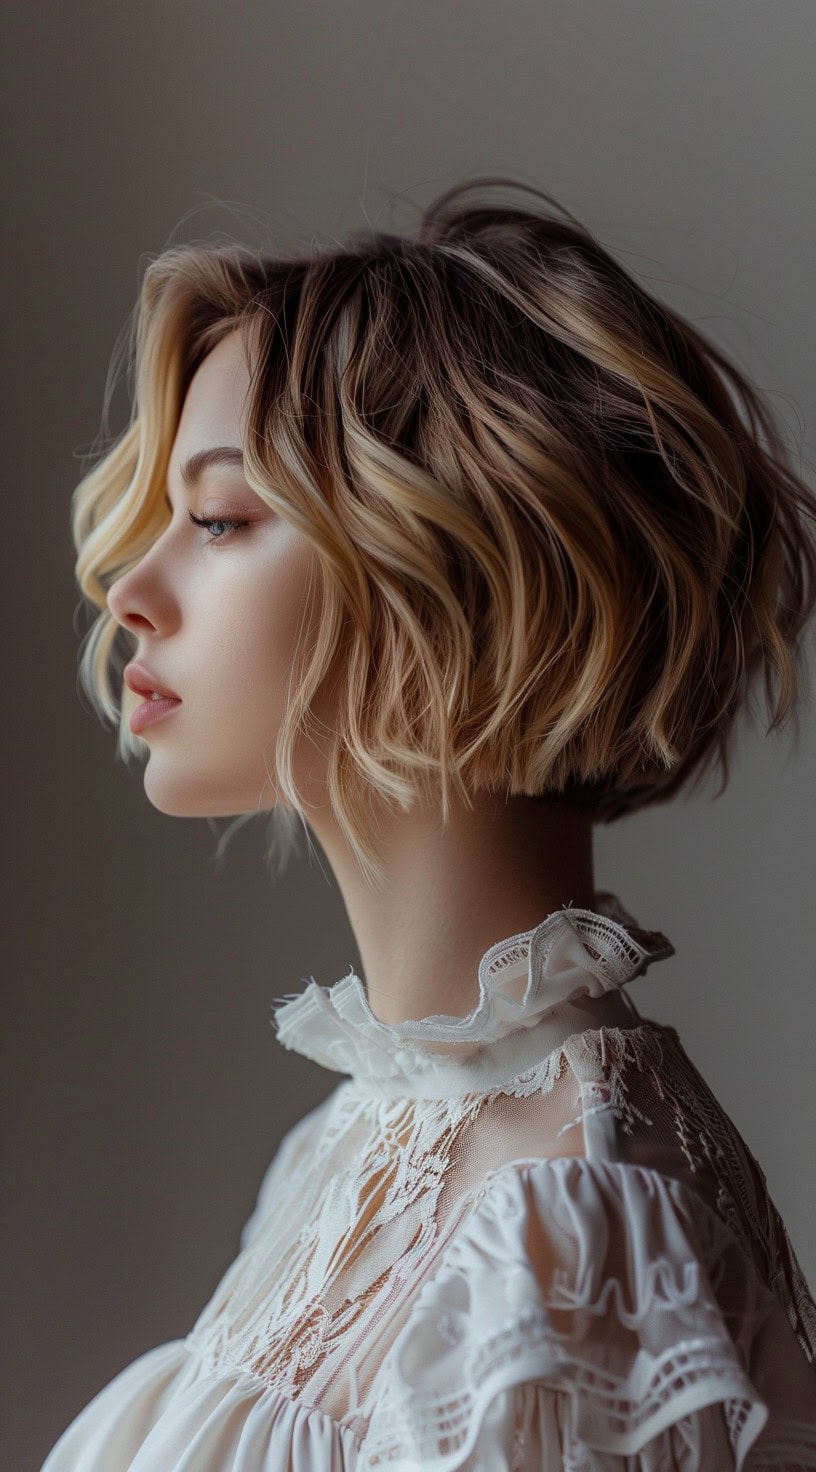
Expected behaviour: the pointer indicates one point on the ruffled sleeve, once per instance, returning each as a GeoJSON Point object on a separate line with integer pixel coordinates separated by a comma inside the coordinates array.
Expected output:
{"type": "Point", "coordinates": [593, 1315]}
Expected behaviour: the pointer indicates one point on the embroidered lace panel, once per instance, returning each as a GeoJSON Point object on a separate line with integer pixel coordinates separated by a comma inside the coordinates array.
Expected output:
{"type": "Point", "coordinates": [373, 1193]}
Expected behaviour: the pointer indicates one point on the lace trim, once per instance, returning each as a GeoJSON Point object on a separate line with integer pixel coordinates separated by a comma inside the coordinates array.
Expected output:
{"type": "Point", "coordinates": [740, 1193]}
{"type": "Point", "coordinates": [572, 953]}
{"type": "Point", "coordinates": [439, 1424]}
{"type": "Point", "coordinates": [686, 1378]}
{"type": "Point", "coordinates": [742, 1198]}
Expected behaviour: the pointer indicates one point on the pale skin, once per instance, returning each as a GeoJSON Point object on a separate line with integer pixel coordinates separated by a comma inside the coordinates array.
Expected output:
{"type": "Point", "coordinates": [221, 624]}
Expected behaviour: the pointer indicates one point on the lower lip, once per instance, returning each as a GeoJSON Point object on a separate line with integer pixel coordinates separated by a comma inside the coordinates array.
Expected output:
{"type": "Point", "coordinates": [150, 711]}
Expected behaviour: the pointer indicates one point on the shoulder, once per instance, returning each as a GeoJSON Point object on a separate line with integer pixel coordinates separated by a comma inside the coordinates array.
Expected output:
{"type": "Point", "coordinates": [604, 1287]}
{"type": "Point", "coordinates": [293, 1151]}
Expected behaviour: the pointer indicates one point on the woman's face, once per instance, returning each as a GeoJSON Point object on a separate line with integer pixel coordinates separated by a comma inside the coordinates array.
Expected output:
{"type": "Point", "coordinates": [219, 622]}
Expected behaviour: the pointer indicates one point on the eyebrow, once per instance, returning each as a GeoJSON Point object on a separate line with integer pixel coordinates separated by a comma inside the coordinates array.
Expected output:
{"type": "Point", "coordinates": [193, 469]}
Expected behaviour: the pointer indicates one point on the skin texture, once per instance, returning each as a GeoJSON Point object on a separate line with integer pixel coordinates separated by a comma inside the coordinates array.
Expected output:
{"type": "Point", "coordinates": [226, 624]}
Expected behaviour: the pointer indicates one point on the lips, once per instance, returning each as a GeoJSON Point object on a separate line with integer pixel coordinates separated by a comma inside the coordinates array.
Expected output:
{"type": "Point", "coordinates": [142, 681]}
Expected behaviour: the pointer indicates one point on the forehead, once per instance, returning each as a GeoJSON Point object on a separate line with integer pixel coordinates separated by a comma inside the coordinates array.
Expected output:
{"type": "Point", "coordinates": [213, 409]}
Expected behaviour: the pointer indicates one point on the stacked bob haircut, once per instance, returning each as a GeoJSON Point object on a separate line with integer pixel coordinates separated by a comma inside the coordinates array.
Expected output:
{"type": "Point", "coordinates": [558, 533]}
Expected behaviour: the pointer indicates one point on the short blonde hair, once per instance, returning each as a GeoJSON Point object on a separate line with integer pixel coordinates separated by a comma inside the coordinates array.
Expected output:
{"type": "Point", "coordinates": [555, 549]}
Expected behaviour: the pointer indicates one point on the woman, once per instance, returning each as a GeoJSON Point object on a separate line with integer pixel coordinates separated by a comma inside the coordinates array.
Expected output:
{"type": "Point", "coordinates": [449, 547]}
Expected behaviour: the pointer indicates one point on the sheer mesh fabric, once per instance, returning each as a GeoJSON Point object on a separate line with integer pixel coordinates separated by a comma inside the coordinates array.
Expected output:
{"type": "Point", "coordinates": [366, 1197]}
{"type": "Point", "coordinates": [528, 1237]}
{"type": "Point", "coordinates": [373, 1190]}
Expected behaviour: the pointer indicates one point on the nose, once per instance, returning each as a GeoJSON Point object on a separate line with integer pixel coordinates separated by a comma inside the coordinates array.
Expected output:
{"type": "Point", "coordinates": [142, 596]}
{"type": "Point", "coordinates": [127, 605]}
{"type": "Point", "coordinates": [143, 601]}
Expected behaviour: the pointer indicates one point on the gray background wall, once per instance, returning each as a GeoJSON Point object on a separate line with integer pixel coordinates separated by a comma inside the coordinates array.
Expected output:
{"type": "Point", "coordinates": [144, 1091]}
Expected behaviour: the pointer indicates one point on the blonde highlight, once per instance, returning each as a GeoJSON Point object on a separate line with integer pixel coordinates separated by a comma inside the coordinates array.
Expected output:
{"type": "Point", "coordinates": [559, 533]}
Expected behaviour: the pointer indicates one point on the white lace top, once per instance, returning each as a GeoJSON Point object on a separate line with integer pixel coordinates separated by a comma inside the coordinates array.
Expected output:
{"type": "Point", "coordinates": [525, 1238]}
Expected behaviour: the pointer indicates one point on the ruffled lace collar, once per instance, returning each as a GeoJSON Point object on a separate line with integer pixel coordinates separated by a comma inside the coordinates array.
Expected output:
{"type": "Point", "coordinates": [535, 989]}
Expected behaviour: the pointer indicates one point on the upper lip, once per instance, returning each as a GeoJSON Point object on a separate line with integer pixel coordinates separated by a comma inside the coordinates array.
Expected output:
{"type": "Point", "coordinates": [143, 682]}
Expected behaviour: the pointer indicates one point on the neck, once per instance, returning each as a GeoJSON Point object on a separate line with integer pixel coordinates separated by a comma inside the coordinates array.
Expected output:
{"type": "Point", "coordinates": [493, 871]}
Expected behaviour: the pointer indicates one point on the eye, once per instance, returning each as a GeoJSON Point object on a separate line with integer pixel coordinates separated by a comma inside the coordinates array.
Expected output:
{"type": "Point", "coordinates": [210, 521]}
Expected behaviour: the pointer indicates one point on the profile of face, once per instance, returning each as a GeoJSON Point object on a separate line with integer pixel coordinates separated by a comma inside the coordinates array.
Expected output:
{"type": "Point", "coordinates": [222, 615]}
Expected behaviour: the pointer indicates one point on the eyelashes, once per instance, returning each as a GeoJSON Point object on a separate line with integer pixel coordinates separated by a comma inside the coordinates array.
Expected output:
{"type": "Point", "coordinates": [210, 521]}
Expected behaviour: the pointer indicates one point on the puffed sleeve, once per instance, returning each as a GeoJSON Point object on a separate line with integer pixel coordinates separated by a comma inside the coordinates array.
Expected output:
{"type": "Point", "coordinates": [593, 1315]}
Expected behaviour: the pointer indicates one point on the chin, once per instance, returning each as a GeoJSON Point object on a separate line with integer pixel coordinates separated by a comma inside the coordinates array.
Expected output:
{"type": "Point", "coordinates": [181, 797]}
{"type": "Point", "coordinates": [185, 795]}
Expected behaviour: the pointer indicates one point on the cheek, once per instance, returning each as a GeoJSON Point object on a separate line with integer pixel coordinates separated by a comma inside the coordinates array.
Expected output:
{"type": "Point", "coordinates": [247, 639]}
{"type": "Point", "coordinates": [264, 631]}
